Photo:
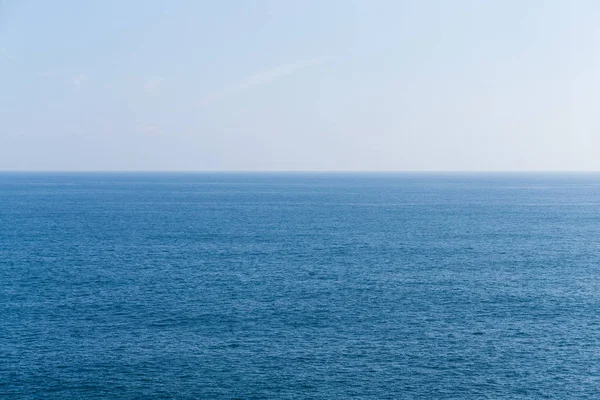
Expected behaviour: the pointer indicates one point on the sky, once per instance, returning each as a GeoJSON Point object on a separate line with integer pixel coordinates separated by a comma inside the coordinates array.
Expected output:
{"type": "Point", "coordinates": [312, 85]}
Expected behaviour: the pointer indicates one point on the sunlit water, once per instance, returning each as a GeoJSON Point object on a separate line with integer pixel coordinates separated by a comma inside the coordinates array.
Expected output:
{"type": "Point", "coordinates": [322, 286]}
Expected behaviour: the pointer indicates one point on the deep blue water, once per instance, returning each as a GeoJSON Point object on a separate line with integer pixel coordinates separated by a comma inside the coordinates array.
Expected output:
{"type": "Point", "coordinates": [321, 286]}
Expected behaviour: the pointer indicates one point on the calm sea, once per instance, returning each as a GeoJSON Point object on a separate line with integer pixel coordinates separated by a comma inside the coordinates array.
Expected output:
{"type": "Point", "coordinates": [294, 286]}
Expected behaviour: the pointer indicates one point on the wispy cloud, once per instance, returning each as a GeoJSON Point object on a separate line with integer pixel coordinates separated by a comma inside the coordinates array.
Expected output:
{"type": "Point", "coordinates": [261, 78]}
{"type": "Point", "coordinates": [152, 130]}
{"type": "Point", "coordinates": [152, 85]}
{"type": "Point", "coordinates": [6, 54]}
{"type": "Point", "coordinates": [79, 79]}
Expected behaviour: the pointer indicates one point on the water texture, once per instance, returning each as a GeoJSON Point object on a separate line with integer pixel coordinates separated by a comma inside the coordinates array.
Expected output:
{"type": "Point", "coordinates": [293, 286]}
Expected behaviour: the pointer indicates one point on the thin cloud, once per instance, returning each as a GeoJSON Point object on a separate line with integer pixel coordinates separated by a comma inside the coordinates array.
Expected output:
{"type": "Point", "coordinates": [6, 54]}
{"type": "Point", "coordinates": [152, 85]}
{"type": "Point", "coordinates": [261, 78]}
{"type": "Point", "coordinates": [79, 79]}
{"type": "Point", "coordinates": [152, 130]}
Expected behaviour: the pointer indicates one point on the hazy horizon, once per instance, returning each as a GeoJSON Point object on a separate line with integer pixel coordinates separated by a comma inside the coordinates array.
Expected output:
{"type": "Point", "coordinates": [316, 172]}
{"type": "Point", "coordinates": [348, 86]}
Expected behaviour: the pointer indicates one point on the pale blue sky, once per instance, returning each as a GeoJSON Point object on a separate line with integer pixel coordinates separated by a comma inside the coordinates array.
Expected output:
{"type": "Point", "coordinates": [299, 85]}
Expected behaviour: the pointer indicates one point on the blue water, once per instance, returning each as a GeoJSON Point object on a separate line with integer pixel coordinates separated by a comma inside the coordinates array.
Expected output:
{"type": "Point", "coordinates": [293, 286]}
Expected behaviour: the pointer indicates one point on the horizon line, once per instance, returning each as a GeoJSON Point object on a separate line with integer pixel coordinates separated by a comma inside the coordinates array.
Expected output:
{"type": "Point", "coordinates": [349, 171]}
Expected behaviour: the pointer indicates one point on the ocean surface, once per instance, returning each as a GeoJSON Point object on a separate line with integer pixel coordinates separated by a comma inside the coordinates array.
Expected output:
{"type": "Point", "coordinates": [299, 286]}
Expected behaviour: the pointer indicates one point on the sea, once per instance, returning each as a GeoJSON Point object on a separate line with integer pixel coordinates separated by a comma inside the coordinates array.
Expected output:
{"type": "Point", "coordinates": [299, 285]}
